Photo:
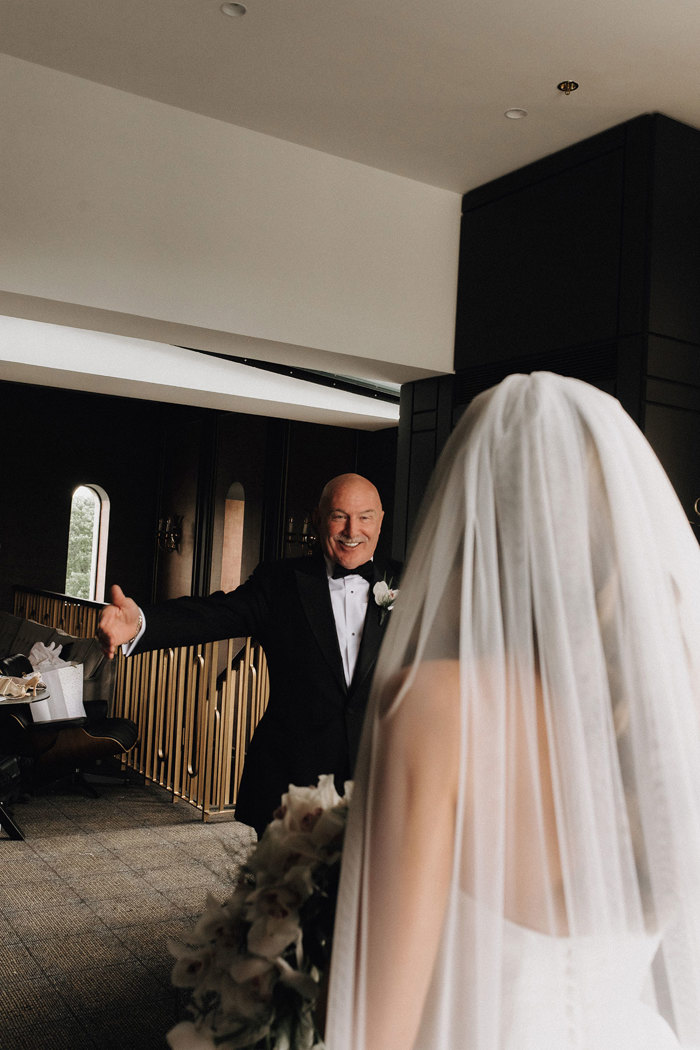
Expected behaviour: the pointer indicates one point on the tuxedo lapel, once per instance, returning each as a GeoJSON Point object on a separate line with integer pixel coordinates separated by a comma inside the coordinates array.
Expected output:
{"type": "Point", "coordinates": [371, 636]}
{"type": "Point", "coordinates": [312, 584]}
{"type": "Point", "coordinates": [369, 646]}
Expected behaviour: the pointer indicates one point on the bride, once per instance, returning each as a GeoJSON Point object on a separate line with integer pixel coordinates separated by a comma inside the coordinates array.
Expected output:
{"type": "Point", "coordinates": [522, 864]}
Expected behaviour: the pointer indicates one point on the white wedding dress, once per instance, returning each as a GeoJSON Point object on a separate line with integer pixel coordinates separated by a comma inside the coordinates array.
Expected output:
{"type": "Point", "coordinates": [558, 993]}
{"type": "Point", "coordinates": [521, 868]}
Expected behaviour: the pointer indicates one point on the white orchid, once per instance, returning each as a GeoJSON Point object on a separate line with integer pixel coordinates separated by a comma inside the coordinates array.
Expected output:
{"type": "Point", "coordinates": [192, 965]}
{"type": "Point", "coordinates": [184, 1036]}
{"type": "Point", "coordinates": [269, 935]}
{"type": "Point", "coordinates": [302, 806]}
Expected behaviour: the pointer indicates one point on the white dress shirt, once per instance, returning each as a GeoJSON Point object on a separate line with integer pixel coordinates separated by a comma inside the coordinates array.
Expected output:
{"type": "Point", "coordinates": [349, 597]}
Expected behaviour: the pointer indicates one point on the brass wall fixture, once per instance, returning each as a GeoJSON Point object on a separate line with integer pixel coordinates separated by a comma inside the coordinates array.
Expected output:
{"type": "Point", "coordinates": [170, 533]}
{"type": "Point", "coordinates": [300, 537]}
{"type": "Point", "coordinates": [567, 86]}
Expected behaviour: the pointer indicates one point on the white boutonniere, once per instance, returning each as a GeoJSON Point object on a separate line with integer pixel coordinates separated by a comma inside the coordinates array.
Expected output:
{"type": "Point", "coordinates": [384, 596]}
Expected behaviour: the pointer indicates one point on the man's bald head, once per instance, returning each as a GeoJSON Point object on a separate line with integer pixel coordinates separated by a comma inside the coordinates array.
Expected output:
{"type": "Point", "coordinates": [349, 520]}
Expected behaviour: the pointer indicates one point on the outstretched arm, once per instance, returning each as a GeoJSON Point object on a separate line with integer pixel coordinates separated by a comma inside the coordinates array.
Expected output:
{"type": "Point", "coordinates": [119, 622]}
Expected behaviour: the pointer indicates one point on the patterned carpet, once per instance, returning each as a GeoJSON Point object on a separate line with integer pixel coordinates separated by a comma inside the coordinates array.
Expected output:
{"type": "Point", "coordinates": [89, 901]}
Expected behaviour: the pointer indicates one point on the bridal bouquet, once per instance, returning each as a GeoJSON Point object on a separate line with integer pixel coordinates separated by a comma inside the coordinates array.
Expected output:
{"type": "Point", "coordinates": [255, 963]}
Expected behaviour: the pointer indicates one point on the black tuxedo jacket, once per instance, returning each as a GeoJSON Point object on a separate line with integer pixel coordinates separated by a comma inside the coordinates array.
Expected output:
{"type": "Point", "coordinates": [313, 719]}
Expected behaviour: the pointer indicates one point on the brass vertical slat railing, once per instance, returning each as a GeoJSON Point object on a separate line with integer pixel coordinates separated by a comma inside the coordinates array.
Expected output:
{"type": "Point", "coordinates": [72, 615]}
{"type": "Point", "coordinates": [194, 724]}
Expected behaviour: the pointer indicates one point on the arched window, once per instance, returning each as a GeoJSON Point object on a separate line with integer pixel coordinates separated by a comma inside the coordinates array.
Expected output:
{"type": "Point", "coordinates": [233, 537]}
{"type": "Point", "coordinates": [87, 543]}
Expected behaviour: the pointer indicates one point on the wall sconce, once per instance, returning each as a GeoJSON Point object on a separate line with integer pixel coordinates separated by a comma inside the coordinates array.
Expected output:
{"type": "Point", "coordinates": [170, 533]}
{"type": "Point", "coordinates": [300, 537]}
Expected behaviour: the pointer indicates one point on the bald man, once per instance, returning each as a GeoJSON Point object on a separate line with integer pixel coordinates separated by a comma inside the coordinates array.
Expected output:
{"type": "Point", "coordinates": [320, 627]}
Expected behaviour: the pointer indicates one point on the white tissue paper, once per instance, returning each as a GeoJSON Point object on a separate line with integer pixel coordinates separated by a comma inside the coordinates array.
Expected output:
{"type": "Point", "coordinates": [44, 657]}
{"type": "Point", "coordinates": [64, 681]}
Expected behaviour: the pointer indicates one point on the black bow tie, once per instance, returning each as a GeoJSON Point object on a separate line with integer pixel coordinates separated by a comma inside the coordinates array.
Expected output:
{"type": "Point", "coordinates": [366, 570]}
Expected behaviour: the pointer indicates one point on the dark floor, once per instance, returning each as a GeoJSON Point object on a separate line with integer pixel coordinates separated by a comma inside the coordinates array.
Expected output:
{"type": "Point", "coordinates": [90, 899]}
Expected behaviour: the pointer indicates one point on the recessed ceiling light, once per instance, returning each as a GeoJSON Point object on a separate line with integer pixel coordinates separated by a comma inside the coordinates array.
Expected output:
{"type": "Point", "coordinates": [235, 10]}
{"type": "Point", "coordinates": [515, 114]}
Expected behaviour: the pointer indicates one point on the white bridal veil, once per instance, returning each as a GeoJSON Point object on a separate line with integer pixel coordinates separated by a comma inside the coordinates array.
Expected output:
{"type": "Point", "coordinates": [522, 862]}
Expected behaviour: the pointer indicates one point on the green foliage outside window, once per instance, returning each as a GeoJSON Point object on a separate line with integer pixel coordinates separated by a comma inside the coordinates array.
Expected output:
{"type": "Point", "coordinates": [82, 543]}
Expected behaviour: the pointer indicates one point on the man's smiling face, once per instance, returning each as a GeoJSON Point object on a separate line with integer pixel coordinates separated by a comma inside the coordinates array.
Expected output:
{"type": "Point", "coordinates": [349, 520]}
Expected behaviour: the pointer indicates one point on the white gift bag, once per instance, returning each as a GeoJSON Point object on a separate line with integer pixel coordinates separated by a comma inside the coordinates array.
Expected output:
{"type": "Point", "coordinates": [65, 700]}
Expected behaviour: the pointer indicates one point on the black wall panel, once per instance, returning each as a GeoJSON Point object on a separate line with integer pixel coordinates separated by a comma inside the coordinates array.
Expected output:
{"type": "Point", "coordinates": [540, 264]}
{"type": "Point", "coordinates": [674, 280]}
{"type": "Point", "coordinates": [586, 263]}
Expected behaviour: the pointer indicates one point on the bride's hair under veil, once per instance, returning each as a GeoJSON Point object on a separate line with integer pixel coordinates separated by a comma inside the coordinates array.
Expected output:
{"type": "Point", "coordinates": [522, 862]}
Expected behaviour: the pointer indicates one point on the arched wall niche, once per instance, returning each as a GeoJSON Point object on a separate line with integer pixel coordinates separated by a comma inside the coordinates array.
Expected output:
{"type": "Point", "coordinates": [234, 519]}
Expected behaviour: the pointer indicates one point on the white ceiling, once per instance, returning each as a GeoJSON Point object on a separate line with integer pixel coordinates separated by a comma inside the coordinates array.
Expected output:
{"type": "Point", "coordinates": [413, 87]}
